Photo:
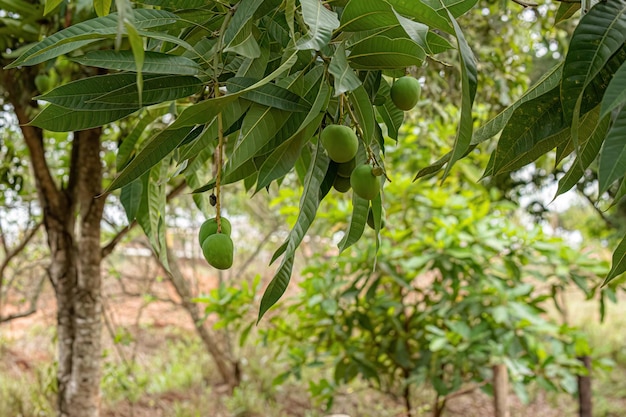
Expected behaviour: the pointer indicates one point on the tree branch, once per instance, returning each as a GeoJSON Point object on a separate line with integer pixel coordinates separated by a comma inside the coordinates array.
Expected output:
{"type": "Point", "coordinates": [12, 253]}
{"type": "Point", "coordinates": [19, 86]}
{"type": "Point", "coordinates": [32, 308]}
{"type": "Point", "coordinates": [526, 4]}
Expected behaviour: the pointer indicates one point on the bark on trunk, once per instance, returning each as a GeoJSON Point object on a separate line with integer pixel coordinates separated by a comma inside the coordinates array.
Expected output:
{"type": "Point", "coordinates": [71, 216]}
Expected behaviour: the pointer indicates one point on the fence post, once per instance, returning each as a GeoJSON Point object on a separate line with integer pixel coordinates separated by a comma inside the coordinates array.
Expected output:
{"type": "Point", "coordinates": [584, 389]}
{"type": "Point", "coordinates": [501, 390]}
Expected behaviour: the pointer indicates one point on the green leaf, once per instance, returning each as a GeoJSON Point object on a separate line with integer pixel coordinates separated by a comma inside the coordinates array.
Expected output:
{"type": "Point", "coordinates": [367, 15]}
{"type": "Point", "coordinates": [309, 203]}
{"type": "Point", "coordinates": [154, 62]}
{"type": "Point", "coordinates": [437, 43]}
{"type": "Point", "coordinates": [381, 52]}
{"type": "Point", "coordinates": [360, 207]}
{"type": "Point", "coordinates": [283, 159]}
{"type": "Point", "coordinates": [344, 77]}
{"type": "Point", "coordinates": [321, 23]}
{"type": "Point", "coordinates": [600, 33]}
{"type": "Point", "coordinates": [469, 81]}
{"type": "Point", "coordinates": [433, 12]}
{"type": "Point", "coordinates": [618, 264]}
{"type": "Point", "coordinates": [270, 95]}
{"type": "Point", "coordinates": [130, 197]}
{"type": "Point", "coordinates": [547, 83]}
{"type": "Point", "coordinates": [392, 116]}
{"type": "Point", "coordinates": [60, 119]}
{"type": "Point", "coordinates": [244, 13]}
{"type": "Point", "coordinates": [156, 89]}
{"type": "Point", "coordinates": [158, 148]}
{"type": "Point", "coordinates": [566, 10]}
{"type": "Point", "coordinates": [87, 32]}
{"type": "Point", "coordinates": [530, 124]}
{"type": "Point", "coordinates": [615, 95]}
{"type": "Point", "coordinates": [276, 288]}
{"type": "Point", "coordinates": [612, 163]}
{"type": "Point", "coordinates": [230, 115]}
{"type": "Point", "coordinates": [588, 152]}
{"type": "Point", "coordinates": [102, 7]}
{"type": "Point", "coordinates": [51, 5]}
{"type": "Point", "coordinates": [137, 47]}
{"type": "Point", "coordinates": [203, 112]}
{"type": "Point", "coordinates": [245, 43]}
{"type": "Point", "coordinates": [127, 148]}
{"type": "Point", "coordinates": [417, 31]}
{"type": "Point", "coordinates": [206, 110]}
{"type": "Point", "coordinates": [78, 94]}
{"type": "Point", "coordinates": [364, 112]}
{"type": "Point", "coordinates": [176, 4]}
{"type": "Point", "coordinates": [259, 127]}
{"type": "Point", "coordinates": [143, 213]}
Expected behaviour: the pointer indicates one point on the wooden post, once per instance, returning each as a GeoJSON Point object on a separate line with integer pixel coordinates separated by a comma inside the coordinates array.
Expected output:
{"type": "Point", "coordinates": [501, 391]}
{"type": "Point", "coordinates": [584, 389]}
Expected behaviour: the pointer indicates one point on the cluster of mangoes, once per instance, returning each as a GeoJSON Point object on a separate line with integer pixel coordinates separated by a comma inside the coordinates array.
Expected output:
{"type": "Point", "coordinates": [341, 144]}
{"type": "Point", "coordinates": [217, 246]}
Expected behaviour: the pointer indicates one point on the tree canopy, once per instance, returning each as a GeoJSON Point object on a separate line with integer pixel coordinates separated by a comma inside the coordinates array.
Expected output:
{"type": "Point", "coordinates": [245, 89]}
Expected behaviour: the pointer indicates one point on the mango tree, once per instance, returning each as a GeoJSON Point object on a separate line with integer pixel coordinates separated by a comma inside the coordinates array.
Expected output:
{"type": "Point", "coordinates": [245, 89]}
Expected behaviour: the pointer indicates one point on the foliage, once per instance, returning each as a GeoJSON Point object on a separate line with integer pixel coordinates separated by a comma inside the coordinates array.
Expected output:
{"type": "Point", "coordinates": [459, 286]}
{"type": "Point", "coordinates": [286, 68]}
{"type": "Point", "coordinates": [577, 109]}
{"type": "Point", "coordinates": [264, 76]}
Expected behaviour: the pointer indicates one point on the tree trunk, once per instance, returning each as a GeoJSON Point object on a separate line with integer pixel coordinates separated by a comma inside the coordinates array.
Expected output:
{"type": "Point", "coordinates": [584, 389]}
{"type": "Point", "coordinates": [501, 391]}
{"type": "Point", "coordinates": [71, 216]}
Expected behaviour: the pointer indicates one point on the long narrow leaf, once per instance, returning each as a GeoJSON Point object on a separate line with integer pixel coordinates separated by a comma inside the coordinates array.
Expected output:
{"type": "Point", "coordinates": [612, 163]}
{"type": "Point", "coordinates": [159, 147]}
{"type": "Point", "coordinates": [321, 23]}
{"type": "Point", "coordinates": [87, 32]}
{"type": "Point", "coordinates": [618, 264]}
{"type": "Point", "coordinates": [469, 81]}
{"type": "Point", "coordinates": [364, 112]}
{"type": "Point", "coordinates": [344, 77]}
{"type": "Point", "coordinates": [615, 95]}
{"type": "Point", "coordinates": [154, 62]}
{"type": "Point", "coordinates": [309, 203]}
{"type": "Point", "coordinates": [589, 150]}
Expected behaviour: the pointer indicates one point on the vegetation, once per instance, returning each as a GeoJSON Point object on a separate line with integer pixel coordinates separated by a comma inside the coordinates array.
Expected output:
{"type": "Point", "coordinates": [296, 98]}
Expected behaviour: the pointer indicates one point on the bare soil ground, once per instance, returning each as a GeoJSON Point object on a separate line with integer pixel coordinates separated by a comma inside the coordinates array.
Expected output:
{"type": "Point", "coordinates": [141, 329]}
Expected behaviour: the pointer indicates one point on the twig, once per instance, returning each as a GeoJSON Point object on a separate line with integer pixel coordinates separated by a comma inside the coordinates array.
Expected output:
{"type": "Point", "coordinates": [603, 216]}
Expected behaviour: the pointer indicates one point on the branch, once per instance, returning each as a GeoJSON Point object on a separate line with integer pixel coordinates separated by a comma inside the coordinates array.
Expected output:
{"type": "Point", "coordinates": [32, 309]}
{"type": "Point", "coordinates": [526, 4]}
{"type": "Point", "coordinates": [19, 85]}
{"type": "Point", "coordinates": [109, 247]}
{"type": "Point", "coordinates": [603, 216]}
{"type": "Point", "coordinates": [465, 391]}
{"type": "Point", "coordinates": [10, 254]}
